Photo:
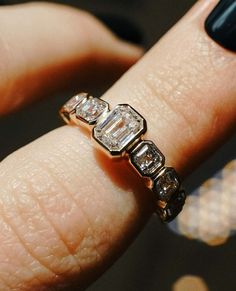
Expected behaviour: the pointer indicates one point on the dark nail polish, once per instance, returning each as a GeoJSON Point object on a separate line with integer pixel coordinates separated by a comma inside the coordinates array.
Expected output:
{"type": "Point", "coordinates": [221, 24]}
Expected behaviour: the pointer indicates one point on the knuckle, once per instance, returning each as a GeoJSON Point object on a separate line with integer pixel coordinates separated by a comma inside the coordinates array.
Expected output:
{"type": "Point", "coordinates": [170, 92]}
{"type": "Point", "coordinates": [189, 79]}
{"type": "Point", "coordinates": [179, 91]}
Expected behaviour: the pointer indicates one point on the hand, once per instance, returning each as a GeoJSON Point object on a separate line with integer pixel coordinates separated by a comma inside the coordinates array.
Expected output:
{"type": "Point", "coordinates": [65, 213]}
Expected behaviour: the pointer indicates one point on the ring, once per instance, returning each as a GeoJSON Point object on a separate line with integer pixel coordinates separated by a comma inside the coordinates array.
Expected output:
{"type": "Point", "coordinates": [119, 133]}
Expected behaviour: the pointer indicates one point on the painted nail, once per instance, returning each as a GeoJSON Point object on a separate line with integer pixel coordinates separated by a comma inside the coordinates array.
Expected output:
{"type": "Point", "coordinates": [221, 24]}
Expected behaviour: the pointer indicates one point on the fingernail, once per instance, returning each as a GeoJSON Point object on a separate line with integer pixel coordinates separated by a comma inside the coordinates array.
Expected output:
{"type": "Point", "coordinates": [221, 24]}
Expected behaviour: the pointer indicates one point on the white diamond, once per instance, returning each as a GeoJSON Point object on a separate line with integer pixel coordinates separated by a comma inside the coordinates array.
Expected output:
{"type": "Point", "coordinates": [73, 102]}
{"type": "Point", "coordinates": [91, 109]}
{"type": "Point", "coordinates": [120, 128]}
{"type": "Point", "coordinates": [146, 158]}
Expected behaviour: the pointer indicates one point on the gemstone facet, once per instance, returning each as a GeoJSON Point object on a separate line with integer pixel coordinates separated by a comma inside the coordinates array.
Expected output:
{"type": "Point", "coordinates": [173, 207]}
{"type": "Point", "coordinates": [120, 128]}
{"type": "Point", "coordinates": [68, 109]}
{"type": "Point", "coordinates": [166, 184]}
{"type": "Point", "coordinates": [146, 158]}
{"type": "Point", "coordinates": [74, 101]}
{"type": "Point", "coordinates": [90, 109]}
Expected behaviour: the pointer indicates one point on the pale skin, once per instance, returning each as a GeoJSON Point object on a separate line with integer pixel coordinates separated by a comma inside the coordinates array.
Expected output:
{"type": "Point", "coordinates": [66, 211]}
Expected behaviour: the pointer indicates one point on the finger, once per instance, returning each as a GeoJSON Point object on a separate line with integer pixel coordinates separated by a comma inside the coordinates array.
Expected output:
{"type": "Point", "coordinates": [69, 211]}
{"type": "Point", "coordinates": [191, 83]}
{"type": "Point", "coordinates": [45, 47]}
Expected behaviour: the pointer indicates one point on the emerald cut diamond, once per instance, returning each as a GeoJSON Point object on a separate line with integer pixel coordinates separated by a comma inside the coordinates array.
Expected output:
{"type": "Point", "coordinates": [74, 101]}
{"type": "Point", "coordinates": [90, 109]}
{"type": "Point", "coordinates": [146, 158]}
{"type": "Point", "coordinates": [173, 207]}
{"type": "Point", "coordinates": [68, 110]}
{"type": "Point", "coordinates": [166, 184]}
{"type": "Point", "coordinates": [119, 129]}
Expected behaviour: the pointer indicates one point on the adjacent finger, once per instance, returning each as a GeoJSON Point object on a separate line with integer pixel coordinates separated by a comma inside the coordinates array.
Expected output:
{"type": "Point", "coordinates": [67, 210]}
{"type": "Point", "coordinates": [45, 47]}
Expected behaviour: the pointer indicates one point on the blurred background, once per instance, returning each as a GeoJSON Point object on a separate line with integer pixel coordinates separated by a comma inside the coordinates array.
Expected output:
{"type": "Point", "coordinates": [198, 250]}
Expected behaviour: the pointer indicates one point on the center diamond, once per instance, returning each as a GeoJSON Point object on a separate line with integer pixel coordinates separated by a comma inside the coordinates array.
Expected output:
{"type": "Point", "coordinates": [121, 127]}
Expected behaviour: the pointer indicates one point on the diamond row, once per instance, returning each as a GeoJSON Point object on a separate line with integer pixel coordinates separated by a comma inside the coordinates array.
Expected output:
{"type": "Point", "coordinates": [164, 182]}
{"type": "Point", "coordinates": [120, 132]}
{"type": "Point", "coordinates": [85, 108]}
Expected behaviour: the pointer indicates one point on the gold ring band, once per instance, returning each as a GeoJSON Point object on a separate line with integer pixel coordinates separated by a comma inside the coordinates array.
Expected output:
{"type": "Point", "coordinates": [120, 132]}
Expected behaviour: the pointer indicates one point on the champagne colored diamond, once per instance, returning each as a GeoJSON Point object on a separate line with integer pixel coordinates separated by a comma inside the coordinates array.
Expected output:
{"type": "Point", "coordinates": [146, 158]}
{"type": "Point", "coordinates": [90, 109]}
{"type": "Point", "coordinates": [166, 184]}
{"type": "Point", "coordinates": [120, 128]}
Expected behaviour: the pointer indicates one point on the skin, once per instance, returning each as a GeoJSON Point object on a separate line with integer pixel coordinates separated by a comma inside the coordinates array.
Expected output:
{"type": "Point", "coordinates": [66, 211]}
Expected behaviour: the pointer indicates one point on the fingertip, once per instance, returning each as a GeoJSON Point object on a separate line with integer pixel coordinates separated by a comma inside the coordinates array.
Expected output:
{"type": "Point", "coordinates": [130, 50]}
{"type": "Point", "coordinates": [77, 45]}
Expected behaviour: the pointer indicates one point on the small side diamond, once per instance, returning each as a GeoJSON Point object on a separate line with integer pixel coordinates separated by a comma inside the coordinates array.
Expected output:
{"type": "Point", "coordinates": [173, 207]}
{"type": "Point", "coordinates": [146, 158]}
{"type": "Point", "coordinates": [91, 109]}
{"type": "Point", "coordinates": [68, 109]}
{"type": "Point", "coordinates": [166, 184]}
{"type": "Point", "coordinates": [74, 101]}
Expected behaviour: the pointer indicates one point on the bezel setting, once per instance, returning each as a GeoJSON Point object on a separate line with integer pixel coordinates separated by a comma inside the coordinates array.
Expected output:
{"type": "Point", "coordinates": [166, 184]}
{"type": "Point", "coordinates": [119, 133]}
{"type": "Point", "coordinates": [91, 109]}
{"type": "Point", "coordinates": [121, 128]}
{"type": "Point", "coordinates": [68, 109]}
{"type": "Point", "coordinates": [146, 158]}
{"type": "Point", "coordinates": [173, 207]}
